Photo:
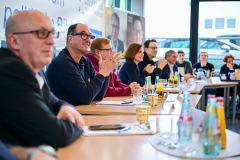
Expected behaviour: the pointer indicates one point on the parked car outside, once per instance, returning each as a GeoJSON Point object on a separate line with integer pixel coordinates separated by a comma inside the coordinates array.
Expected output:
{"type": "Point", "coordinates": [215, 48]}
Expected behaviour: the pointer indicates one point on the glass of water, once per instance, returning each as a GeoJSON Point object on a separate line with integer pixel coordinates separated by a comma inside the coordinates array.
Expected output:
{"type": "Point", "coordinates": [165, 82]}
{"type": "Point", "coordinates": [137, 96]}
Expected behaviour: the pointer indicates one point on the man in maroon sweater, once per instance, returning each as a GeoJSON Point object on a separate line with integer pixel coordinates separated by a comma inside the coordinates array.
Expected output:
{"type": "Point", "coordinates": [101, 47]}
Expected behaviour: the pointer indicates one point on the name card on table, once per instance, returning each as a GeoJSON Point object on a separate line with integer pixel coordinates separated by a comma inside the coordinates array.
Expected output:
{"type": "Point", "coordinates": [179, 94]}
{"type": "Point", "coordinates": [191, 82]}
{"type": "Point", "coordinates": [198, 118]}
{"type": "Point", "coordinates": [215, 80]}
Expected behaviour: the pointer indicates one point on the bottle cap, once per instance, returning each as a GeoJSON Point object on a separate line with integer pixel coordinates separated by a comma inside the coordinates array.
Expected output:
{"type": "Point", "coordinates": [211, 96]}
{"type": "Point", "coordinates": [220, 99]}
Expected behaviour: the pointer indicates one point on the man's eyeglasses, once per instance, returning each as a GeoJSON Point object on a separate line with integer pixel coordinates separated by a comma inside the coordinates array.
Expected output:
{"type": "Point", "coordinates": [84, 35]}
{"type": "Point", "coordinates": [41, 33]}
{"type": "Point", "coordinates": [137, 31]}
{"type": "Point", "coordinates": [109, 50]}
{"type": "Point", "coordinates": [115, 26]}
{"type": "Point", "coordinates": [153, 48]}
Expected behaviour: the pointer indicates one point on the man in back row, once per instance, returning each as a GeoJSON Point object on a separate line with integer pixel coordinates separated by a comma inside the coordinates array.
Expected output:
{"type": "Point", "coordinates": [207, 67]}
{"type": "Point", "coordinates": [30, 114]}
{"type": "Point", "coordinates": [101, 47]}
{"type": "Point", "coordinates": [171, 67]}
{"type": "Point", "coordinates": [72, 76]}
{"type": "Point", "coordinates": [150, 52]}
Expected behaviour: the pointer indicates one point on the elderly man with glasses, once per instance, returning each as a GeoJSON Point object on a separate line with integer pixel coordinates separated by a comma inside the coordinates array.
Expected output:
{"type": "Point", "coordinates": [150, 48]}
{"type": "Point", "coordinates": [30, 114]}
{"type": "Point", "coordinates": [72, 76]}
{"type": "Point", "coordinates": [102, 47]}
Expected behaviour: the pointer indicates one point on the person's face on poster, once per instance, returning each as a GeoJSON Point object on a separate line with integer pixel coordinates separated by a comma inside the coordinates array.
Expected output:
{"type": "Point", "coordinates": [138, 32]}
{"type": "Point", "coordinates": [115, 30]}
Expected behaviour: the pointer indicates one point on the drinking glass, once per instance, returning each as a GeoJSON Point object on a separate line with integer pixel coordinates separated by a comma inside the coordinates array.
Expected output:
{"type": "Point", "coordinates": [165, 82]}
{"type": "Point", "coordinates": [137, 96]}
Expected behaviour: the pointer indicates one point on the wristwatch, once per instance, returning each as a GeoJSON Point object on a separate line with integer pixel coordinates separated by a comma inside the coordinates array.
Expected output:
{"type": "Point", "coordinates": [45, 148]}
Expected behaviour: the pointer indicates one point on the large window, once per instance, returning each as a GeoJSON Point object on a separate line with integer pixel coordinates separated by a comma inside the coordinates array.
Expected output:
{"type": "Point", "coordinates": [222, 38]}
{"type": "Point", "coordinates": [168, 21]}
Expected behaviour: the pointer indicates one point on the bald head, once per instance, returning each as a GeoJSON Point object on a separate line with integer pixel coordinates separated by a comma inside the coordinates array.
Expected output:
{"type": "Point", "coordinates": [23, 21]}
{"type": "Point", "coordinates": [23, 31]}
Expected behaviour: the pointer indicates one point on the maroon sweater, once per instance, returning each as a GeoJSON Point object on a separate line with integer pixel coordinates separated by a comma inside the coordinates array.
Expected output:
{"type": "Point", "coordinates": [115, 87]}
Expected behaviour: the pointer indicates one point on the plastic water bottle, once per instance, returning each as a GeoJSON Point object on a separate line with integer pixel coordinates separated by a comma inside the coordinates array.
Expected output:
{"type": "Point", "coordinates": [145, 90]}
{"type": "Point", "coordinates": [150, 85]}
{"type": "Point", "coordinates": [185, 122]}
{"type": "Point", "coordinates": [211, 137]}
{"type": "Point", "coordinates": [156, 85]}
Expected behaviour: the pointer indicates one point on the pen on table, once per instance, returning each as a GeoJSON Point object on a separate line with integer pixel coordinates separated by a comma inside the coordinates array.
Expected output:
{"type": "Point", "coordinates": [126, 102]}
{"type": "Point", "coordinates": [124, 129]}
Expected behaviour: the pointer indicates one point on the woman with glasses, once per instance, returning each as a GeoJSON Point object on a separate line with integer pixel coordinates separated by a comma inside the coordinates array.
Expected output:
{"type": "Point", "coordinates": [130, 72]}
{"type": "Point", "coordinates": [229, 60]}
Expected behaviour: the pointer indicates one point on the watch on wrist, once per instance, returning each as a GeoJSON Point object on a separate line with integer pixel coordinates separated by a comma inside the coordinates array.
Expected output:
{"type": "Point", "coordinates": [45, 148]}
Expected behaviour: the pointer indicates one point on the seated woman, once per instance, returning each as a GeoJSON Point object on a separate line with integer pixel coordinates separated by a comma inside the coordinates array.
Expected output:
{"type": "Point", "coordinates": [228, 59]}
{"type": "Point", "coordinates": [130, 72]}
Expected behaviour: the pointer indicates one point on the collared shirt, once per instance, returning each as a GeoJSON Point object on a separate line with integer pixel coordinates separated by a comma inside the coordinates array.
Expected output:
{"type": "Point", "coordinates": [114, 48]}
{"type": "Point", "coordinates": [171, 67]}
{"type": "Point", "coordinates": [40, 80]}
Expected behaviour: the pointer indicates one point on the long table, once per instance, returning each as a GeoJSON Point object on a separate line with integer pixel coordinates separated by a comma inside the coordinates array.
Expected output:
{"type": "Point", "coordinates": [226, 86]}
{"type": "Point", "coordinates": [196, 89]}
{"type": "Point", "coordinates": [123, 147]}
{"type": "Point", "coordinates": [166, 109]}
{"type": "Point", "coordinates": [200, 88]}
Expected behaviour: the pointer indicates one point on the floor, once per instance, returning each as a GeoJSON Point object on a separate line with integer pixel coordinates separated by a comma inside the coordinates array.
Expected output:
{"type": "Point", "coordinates": [233, 127]}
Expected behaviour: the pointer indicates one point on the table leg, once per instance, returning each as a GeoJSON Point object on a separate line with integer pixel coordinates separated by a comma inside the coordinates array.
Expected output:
{"type": "Point", "coordinates": [226, 106]}
{"type": "Point", "coordinates": [203, 100]}
{"type": "Point", "coordinates": [234, 102]}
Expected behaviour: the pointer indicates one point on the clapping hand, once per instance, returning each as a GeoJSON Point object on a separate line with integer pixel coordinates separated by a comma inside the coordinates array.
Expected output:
{"type": "Point", "coordinates": [149, 68]}
{"type": "Point", "coordinates": [107, 66]}
{"type": "Point", "coordinates": [161, 63]}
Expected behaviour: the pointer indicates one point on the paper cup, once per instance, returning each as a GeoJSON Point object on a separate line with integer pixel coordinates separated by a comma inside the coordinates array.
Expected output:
{"type": "Point", "coordinates": [152, 100]}
{"type": "Point", "coordinates": [142, 113]}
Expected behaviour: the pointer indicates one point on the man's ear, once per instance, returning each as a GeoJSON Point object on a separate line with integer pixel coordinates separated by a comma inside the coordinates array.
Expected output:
{"type": "Point", "coordinates": [145, 50]}
{"type": "Point", "coordinates": [14, 42]}
{"type": "Point", "coordinates": [97, 52]}
{"type": "Point", "coordinates": [69, 37]}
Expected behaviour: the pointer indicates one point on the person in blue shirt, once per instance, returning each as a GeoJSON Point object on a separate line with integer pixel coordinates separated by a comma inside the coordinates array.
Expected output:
{"type": "Point", "coordinates": [130, 71]}
{"type": "Point", "coordinates": [171, 57]}
{"type": "Point", "coordinates": [72, 76]}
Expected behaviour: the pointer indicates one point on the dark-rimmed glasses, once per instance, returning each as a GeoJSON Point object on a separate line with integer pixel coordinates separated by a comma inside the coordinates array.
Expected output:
{"type": "Point", "coordinates": [41, 33]}
{"type": "Point", "coordinates": [153, 48]}
{"type": "Point", "coordinates": [84, 36]}
{"type": "Point", "coordinates": [109, 50]}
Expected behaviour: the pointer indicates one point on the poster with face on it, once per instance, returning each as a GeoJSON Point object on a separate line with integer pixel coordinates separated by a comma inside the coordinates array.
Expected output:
{"type": "Point", "coordinates": [135, 29]}
{"type": "Point", "coordinates": [116, 28]}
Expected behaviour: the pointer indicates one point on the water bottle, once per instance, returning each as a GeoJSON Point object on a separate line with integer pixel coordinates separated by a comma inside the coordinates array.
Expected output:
{"type": "Point", "coordinates": [185, 122]}
{"type": "Point", "coordinates": [150, 85]}
{"type": "Point", "coordinates": [211, 137]}
{"type": "Point", "coordinates": [156, 85]}
{"type": "Point", "coordinates": [145, 90]}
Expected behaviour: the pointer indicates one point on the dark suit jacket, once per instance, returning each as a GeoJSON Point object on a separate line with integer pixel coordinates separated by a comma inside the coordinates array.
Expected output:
{"type": "Point", "coordinates": [120, 44]}
{"type": "Point", "coordinates": [28, 114]}
{"type": "Point", "coordinates": [166, 71]}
